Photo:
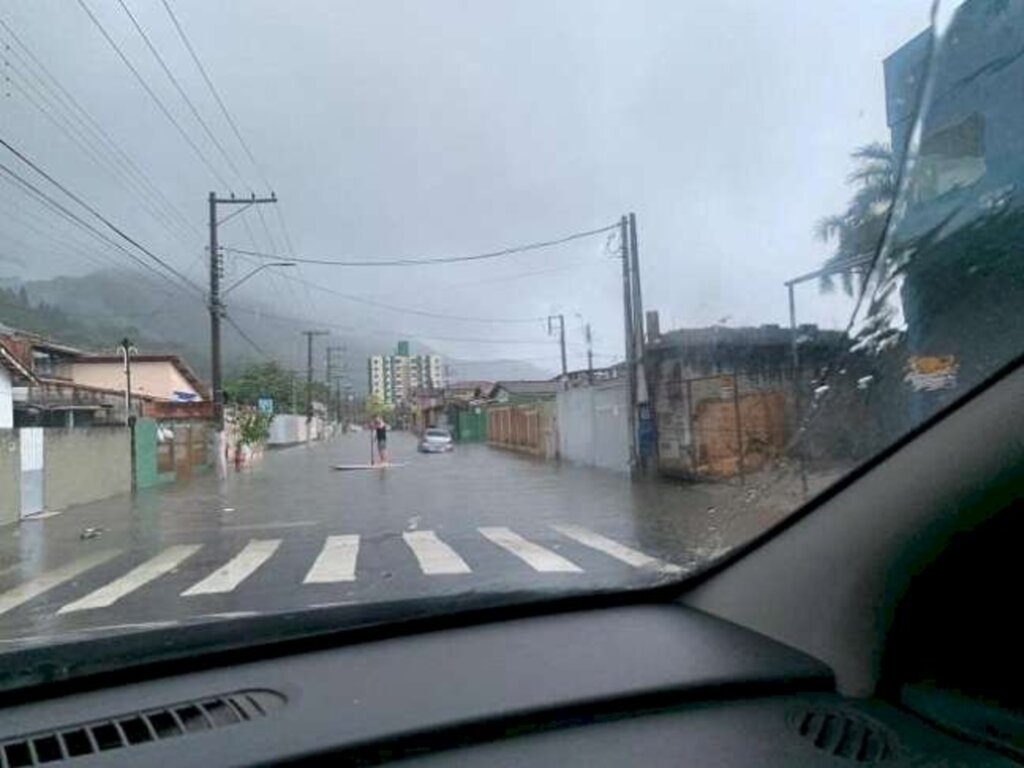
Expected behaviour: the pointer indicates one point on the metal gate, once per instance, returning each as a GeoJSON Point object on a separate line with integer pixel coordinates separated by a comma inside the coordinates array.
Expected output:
{"type": "Point", "coordinates": [31, 439]}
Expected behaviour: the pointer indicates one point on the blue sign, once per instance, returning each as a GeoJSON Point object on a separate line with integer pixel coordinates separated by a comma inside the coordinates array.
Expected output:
{"type": "Point", "coordinates": [266, 404]}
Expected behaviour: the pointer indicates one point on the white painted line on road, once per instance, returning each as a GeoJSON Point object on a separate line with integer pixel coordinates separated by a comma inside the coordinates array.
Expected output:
{"type": "Point", "coordinates": [613, 548]}
{"type": "Point", "coordinates": [237, 569]}
{"type": "Point", "coordinates": [534, 555]}
{"type": "Point", "coordinates": [139, 576]}
{"type": "Point", "coordinates": [434, 556]}
{"type": "Point", "coordinates": [336, 561]}
{"type": "Point", "coordinates": [50, 579]}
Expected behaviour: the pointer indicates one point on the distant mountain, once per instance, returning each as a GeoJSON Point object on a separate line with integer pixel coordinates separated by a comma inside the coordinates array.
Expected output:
{"type": "Point", "coordinates": [97, 310]}
{"type": "Point", "coordinates": [496, 370]}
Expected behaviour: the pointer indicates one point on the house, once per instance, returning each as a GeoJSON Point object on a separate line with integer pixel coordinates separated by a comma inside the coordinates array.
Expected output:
{"type": "Point", "coordinates": [73, 387]}
{"type": "Point", "coordinates": [518, 392]}
{"type": "Point", "coordinates": [157, 377]}
{"type": "Point", "coordinates": [51, 398]}
{"type": "Point", "coordinates": [12, 373]}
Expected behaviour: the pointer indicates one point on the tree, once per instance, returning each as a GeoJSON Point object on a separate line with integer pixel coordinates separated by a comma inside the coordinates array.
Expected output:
{"type": "Point", "coordinates": [263, 380]}
{"type": "Point", "coordinates": [858, 231]}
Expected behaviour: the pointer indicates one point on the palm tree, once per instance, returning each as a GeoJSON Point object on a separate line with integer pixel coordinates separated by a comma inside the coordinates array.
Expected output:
{"type": "Point", "coordinates": [858, 231]}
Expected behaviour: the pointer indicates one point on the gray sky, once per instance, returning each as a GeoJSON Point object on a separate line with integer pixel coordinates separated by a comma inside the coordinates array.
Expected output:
{"type": "Point", "coordinates": [402, 129]}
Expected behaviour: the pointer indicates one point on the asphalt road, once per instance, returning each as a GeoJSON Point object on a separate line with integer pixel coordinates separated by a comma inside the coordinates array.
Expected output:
{"type": "Point", "coordinates": [291, 532]}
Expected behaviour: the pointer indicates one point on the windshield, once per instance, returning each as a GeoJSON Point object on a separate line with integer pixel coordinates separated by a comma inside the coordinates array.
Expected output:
{"type": "Point", "coordinates": [662, 272]}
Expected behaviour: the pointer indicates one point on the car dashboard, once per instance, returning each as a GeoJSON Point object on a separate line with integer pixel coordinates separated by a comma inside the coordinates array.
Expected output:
{"type": "Point", "coordinates": [652, 684]}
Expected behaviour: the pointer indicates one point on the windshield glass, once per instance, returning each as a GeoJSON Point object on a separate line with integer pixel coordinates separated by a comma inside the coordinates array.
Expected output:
{"type": "Point", "coordinates": [662, 271]}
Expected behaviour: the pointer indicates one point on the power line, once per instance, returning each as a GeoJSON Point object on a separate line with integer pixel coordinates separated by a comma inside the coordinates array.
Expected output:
{"type": "Point", "coordinates": [44, 105]}
{"type": "Point", "coordinates": [153, 96]}
{"type": "Point", "coordinates": [94, 212]}
{"type": "Point", "coordinates": [409, 310]}
{"type": "Point", "coordinates": [89, 121]}
{"type": "Point", "coordinates": [247, 338]}
{"type": "Point", "coordinates": [392, 334]}
{"type": "Point", "coordinates": [213, 90]}
{"type": "Point", "coordinates": [181, 91]}
{"type": "Point", "coordinates": [436, 260]}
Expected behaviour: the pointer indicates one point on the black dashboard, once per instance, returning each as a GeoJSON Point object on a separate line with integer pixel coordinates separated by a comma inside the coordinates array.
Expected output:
{"type": "Point", "coordinates": [653, 684]}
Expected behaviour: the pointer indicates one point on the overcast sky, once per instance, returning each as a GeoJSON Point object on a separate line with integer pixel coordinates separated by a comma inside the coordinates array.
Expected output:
{"type": "Point", "coordinates": [422, 128]}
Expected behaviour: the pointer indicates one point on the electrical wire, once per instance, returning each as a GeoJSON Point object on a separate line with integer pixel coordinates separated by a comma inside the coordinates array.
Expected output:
{"type": "Point", "coordinates": [95, 213]}
{"type": "Point", "coordinates": [408, 310]}
{"type": "Point", "coordinates": [209, 84]}
{"type": "Point", "coordinates": [69, 129]}
{"type": "Point", "coordinates": [181, 91]}
{"type": "Point", "coordinates": [87, 120]}
{"type": "Point", "coordinates": [156, 99]}
{"type": "Point", "coordinates": [434, 260]}
{"type": "Point", "coordinates": [238, 329]}
{"type": "Point", "coordinates": [392, 334]}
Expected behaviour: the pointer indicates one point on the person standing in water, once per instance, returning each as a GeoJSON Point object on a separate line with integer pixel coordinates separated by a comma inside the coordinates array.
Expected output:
{"type": "Point", "coordinates": [380, 436]}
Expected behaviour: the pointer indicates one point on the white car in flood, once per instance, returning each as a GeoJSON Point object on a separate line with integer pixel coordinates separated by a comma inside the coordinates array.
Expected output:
{"type": "Point", "coordinates": [436, 440]}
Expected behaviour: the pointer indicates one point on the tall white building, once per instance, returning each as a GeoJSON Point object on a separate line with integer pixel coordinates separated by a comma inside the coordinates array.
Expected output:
{"type": "Point", "coordinates": [396, 378]}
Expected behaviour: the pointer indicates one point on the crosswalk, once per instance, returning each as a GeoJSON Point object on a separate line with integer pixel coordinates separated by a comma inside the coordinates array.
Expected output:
{"type": "Point", "coordinates": [337, 561]}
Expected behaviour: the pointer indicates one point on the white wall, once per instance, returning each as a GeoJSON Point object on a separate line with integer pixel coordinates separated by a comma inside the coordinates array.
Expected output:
{"type": "Point", "coordinates": [593, 425]}
{"type": "Point", "coordinates": [6, 400]}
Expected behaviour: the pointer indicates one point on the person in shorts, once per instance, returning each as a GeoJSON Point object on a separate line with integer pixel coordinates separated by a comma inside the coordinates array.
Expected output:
{"type": "Point", "coordinates": [380, 437]}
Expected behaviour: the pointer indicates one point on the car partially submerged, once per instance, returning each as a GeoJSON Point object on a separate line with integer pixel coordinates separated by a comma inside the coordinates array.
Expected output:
{"type": "Point", "coordinates": [436, 440]}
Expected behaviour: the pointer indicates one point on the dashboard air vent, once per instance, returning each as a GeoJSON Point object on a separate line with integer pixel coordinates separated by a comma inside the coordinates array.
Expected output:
{"type": "Point", "coordinates": [130, 729]}
{"type": "Point", "coordinates": [844, 735]}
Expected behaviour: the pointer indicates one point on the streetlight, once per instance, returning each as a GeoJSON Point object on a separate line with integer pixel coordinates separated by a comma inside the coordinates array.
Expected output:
{"type": "Point", "coordinates": [260, 268]}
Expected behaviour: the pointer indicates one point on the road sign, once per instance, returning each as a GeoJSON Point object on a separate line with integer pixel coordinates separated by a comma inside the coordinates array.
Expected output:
{"type": "Point", "coordinates": [266, 404]}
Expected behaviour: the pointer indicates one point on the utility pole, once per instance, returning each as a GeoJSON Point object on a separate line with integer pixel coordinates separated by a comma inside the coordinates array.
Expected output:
{"type": "Point", "coordinates": [335, 376]}
{"type": "Point", "coordinates": [217, 308]}
{"type": "Point", "coordinates": [590, 353]}
{"type": "Point", "coordinates": [627, 313]}
{"type": "Point", "coordinates": [639, 374]}
{"type": "Point", "coordinates": [309, 380]}
{"type": "Point", "coordinates": [127, 350]}
{"type": "Point", "coordinates": [561, 342]}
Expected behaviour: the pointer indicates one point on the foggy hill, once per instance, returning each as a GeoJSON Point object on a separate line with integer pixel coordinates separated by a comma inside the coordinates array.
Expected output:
{"type": "Point", "coordinates": [97, 310]}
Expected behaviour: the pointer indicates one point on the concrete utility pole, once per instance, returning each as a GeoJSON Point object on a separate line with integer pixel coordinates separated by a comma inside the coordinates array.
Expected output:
{"type": "Point", "coordinates": [627, 313]}
{"type": "Point", "coordinates": [639, 374]}
{"type": "Point", "coordinates": [309, 379]}
{"type": "Point", "coordinates": [216, 307]}
{"type": "Point", "coordinates": [561, 341]}
{"type": "Point", "coordinates": [336, 375]}
{"type": "Point", "coordinates": [590, 353]}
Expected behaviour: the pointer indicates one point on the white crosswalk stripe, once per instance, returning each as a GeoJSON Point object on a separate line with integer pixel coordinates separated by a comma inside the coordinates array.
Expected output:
{"type": "Point", "coordinates": [429, 554]}
{"type": "Point", "coordinates": [534, 555]}
{"type": "Point", "coordinates": [613, 548]}
{"type": "Point", "coordinates": [434, 556]}
{"type": "Point", "coordinates": [336, 561]}
{"type": "Point", "coordinates": [48, 580]}
{"type": "Point", "coordinates": [237, 569]}
{"type": "Point", "coordinates": [139, 576]}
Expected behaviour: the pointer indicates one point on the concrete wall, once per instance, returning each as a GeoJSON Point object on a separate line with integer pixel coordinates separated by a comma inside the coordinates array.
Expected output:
{"type": "Point", "coordinates": [83, 465]}
{"type": "Point", "coordinates": [529, 429]}
{"type": "Point", "coordinates": [289, 429]}
{"type": "Point", "coordinates": [593, 425]}
{"type": "Point", "coordinates": [6, 402]}
{"type": "Point", "coordinates": [155, 379]}
{"type": "Point", "coordinates": [10, 470]}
